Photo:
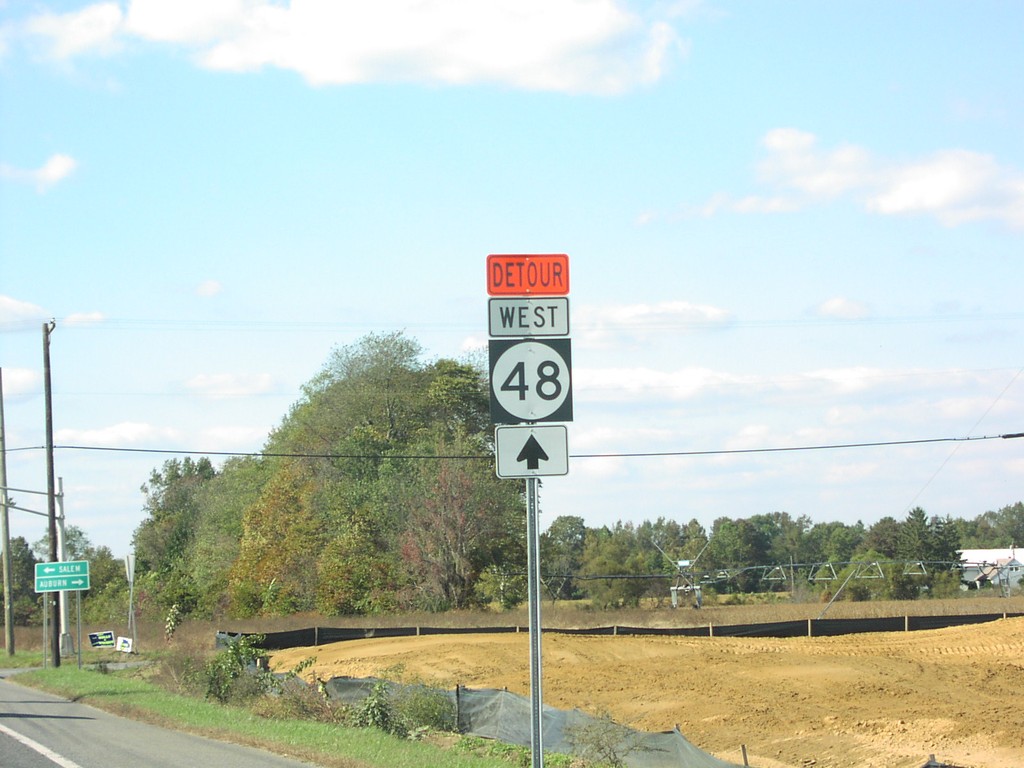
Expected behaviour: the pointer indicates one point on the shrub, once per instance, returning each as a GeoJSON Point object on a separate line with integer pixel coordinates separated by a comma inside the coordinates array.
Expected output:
{"type": "Point", "coordinates": [233, 674]}
{"type": "Point", "coordinates": [423, 708]}
{"type": "Point", "coordinates": [378, 711]}
{"type": "Point", "coordinates": [297, 700]}
{"type": "Point", "coordinates": [604, 741]}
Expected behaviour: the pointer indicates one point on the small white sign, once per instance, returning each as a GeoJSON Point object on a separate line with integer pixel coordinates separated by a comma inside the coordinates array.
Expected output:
{"type": "Point", "coordinates": [522, 316]}
{"type": "Point", "coordinates": [124, 644]}
{"type": "Point", "coordinates": [531, 451]}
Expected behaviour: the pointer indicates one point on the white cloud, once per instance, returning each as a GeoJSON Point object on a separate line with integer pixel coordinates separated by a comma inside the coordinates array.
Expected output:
{"type": "Point", "coordinates": [843, 309]}
{"type": "Point", "coordinates": [845, 380]}
{"type": "Point", "coordinates": [955, 186]}
{"type": "Point", "coordinates": [230, 384]}
{"type": "Point", "coordinates": [757, 204]}
{"type": "Point", "coordinates": [188, 21]}
{"type": "Point", "coordinates": [244, 439]}
{"type": "Point", "coordinates": [123, 434]}
{"type": "Point", "coordinates": [57, 168]}
{"type": "Point", "coordinates": [558, 45]}
{"type": "Point", "coordinates": [624, 323]}
{"type": "Point", "coordinates": [795, 162]}
{"type": "Point", "coordinates": [209, 288]}
{"type": "Point", "coordinates": [94, 29]}
{"type": "Point", "coordinates": [851, 473]}
{"type": "Point", "coordinates": [21, 381]}
{"type": "Point", "coordinates": [646, 384]}
{"type": "Point", "coordinates": [14, 312]}
{"type": "Point", "coordinates": [84, 318]}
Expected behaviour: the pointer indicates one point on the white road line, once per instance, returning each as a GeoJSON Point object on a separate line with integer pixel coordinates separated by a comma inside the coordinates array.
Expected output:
{"type": "Point", "coordinates": [49, 754]}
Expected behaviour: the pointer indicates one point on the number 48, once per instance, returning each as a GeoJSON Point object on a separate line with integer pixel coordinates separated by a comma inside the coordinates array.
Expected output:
{"type": "Point", "coordinates": [548, 386]}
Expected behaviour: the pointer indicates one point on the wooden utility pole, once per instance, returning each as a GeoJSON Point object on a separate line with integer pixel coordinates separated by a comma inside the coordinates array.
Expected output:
{"type": "Point", "coordinates": [51, 492]}
{"type": "Point", "coordinates": [5, 533]}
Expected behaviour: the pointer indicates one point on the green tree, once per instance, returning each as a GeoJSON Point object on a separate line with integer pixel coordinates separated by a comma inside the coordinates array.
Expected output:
{"type": "Point", "coordinates": [163, 540]}
{"type": "Point", "coordinates": [883, 537]}
{"type": "Point", "coordinates": [913, 540]}
{"type": "Point", "coordinates": [275, 573]}
{"type": "Point", "coordinates": [561, 554]}
{"type": "Point", "coordinates": [943, 540]}
{"type": "Point", "coordinates": [833, 542]}
{"type": "Point", "coordinates": [739, 544]}
{"type": "Point", "coordinates": [358, 572]}
{"type": "Point", "coordinates": [215, 542]}
{"type": "Point", "coordinates": [996, 529]}
{"type": "Point", "coordinates": [460, 519]}
{"type": "Point", "coordinates": [458, 397]}
{"type": "Point", "coordinates": [613, 553]}
{"type": "Point", "coordinates": [371, 396]}
{"type": "Point", "coordinates": [24, 601]}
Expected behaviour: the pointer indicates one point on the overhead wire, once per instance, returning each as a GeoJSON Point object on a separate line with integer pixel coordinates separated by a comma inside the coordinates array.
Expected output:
{"type": "Point", "coordinates": [956, 448]}
{"type": "Point", "coordinates": [607, 455]}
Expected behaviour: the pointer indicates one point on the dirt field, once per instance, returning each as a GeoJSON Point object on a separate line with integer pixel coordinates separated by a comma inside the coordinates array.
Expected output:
{"type": "Point", "coordinates": [877, 700]}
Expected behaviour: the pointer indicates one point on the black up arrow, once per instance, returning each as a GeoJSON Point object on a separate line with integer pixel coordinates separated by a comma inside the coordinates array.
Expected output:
{"type": "Point", "coordinates": [533, 454]}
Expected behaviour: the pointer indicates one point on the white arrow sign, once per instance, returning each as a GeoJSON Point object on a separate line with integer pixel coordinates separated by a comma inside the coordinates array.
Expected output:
{"type": "Point", "coordinates": [531, 450]}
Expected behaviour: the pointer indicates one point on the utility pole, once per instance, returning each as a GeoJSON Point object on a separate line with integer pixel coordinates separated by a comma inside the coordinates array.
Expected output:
{"type": "Point", "coordinates": [51, 491]}
{"type": "Point", "coordinates": [5, 532]}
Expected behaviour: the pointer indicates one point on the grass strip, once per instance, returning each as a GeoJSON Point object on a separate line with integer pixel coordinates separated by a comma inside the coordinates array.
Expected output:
{"type": "Point", "coordinates": [331, 746]}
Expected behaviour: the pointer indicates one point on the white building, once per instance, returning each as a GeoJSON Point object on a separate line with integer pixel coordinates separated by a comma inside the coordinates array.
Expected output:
{"type": "Point", "coordinates": [1000, 567]}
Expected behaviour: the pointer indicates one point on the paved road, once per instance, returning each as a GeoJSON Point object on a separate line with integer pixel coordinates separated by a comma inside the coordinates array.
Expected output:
{"type": "Point", "coordinates": [39, 730]}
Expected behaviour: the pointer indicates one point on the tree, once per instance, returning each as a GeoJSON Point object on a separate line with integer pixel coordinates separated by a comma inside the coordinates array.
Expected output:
{"type": "Point", "coordinates": [358, 571]}
{"type": "Point", "coordinates": [24, 601]}
{"type": "Point", "coordinates": [374, 391]}
{"type": "Point", "coordinates": [995, 529]}
{"type": "Point", "coordinates": [943, 540]}
{"type": "Point", "coordinates": [561, 555]}
{"type": "Point", "coordinates": [460, 519]}
{"type": "Point", "coordinates": [276, 569]}
{"type": "Point", "coordinates": [459, 399]}
{"type": "Point", "coordinates": [163, 540]}
{"type": "Point", "coordinates": [883, 538]}
{"type": "Point", "coordinates": [737, 544]}
{"type": "Point", "coordinates": [912, 537]}
{"type": "Point", "coordinates": [833, 542]}
{"type": "Point", "coordinates": [216, 538]}
{"type": "Point", "coordinates": [613, 552]}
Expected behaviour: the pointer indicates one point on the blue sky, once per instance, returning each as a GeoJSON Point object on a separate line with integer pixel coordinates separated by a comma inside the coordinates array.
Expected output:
{"type": "Point", "coordinates": [788, 224]}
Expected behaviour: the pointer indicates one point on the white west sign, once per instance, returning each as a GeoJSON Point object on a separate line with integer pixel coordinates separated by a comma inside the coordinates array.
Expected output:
{"type": "Point", "coordinates": [528, 317]}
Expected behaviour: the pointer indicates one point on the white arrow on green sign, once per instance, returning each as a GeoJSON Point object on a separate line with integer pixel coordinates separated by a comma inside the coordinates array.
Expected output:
{"type": "Point", "coordinates": [62, 577]}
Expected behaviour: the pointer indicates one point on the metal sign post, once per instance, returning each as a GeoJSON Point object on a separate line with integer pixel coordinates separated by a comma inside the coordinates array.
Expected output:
{"type": "Point", "coordinates": [533, 597]}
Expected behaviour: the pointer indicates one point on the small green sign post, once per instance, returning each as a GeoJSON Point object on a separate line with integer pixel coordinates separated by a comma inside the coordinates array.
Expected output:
{"type": "Point", "coordinates": [72, 576]}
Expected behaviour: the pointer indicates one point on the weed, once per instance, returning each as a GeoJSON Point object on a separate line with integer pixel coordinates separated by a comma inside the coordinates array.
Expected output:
{"type": "Point", "coordinates": [378, 711]}
{"type": "Point", "coordinates": [233, 676]}
{"type": "Point", "coordinates": [605, 742]}
{"type": "Point", "coordinates": [424, 708]}
{"type": "Point", "coordinates": [515, 754]}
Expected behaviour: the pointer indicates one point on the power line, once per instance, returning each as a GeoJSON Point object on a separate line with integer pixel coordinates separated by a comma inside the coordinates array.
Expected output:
{"type": "Point", "coordinates": [826, 447]}
{"type": "Point", "coordinates": [956, 448]}
{"type": "Point", "coordinates": [626, 455]}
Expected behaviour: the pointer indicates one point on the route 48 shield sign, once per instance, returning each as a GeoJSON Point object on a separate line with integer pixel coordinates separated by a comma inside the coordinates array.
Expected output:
{"type": "Point", "coordinates": [531, 380]}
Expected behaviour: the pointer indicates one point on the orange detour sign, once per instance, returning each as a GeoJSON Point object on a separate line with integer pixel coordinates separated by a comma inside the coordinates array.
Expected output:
{"type": "Point", "coordinates": [542, 274]}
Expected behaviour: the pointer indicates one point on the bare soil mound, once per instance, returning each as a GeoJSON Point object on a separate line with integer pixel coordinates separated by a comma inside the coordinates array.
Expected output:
{"type": "Point", "coordinates": [888, 699]}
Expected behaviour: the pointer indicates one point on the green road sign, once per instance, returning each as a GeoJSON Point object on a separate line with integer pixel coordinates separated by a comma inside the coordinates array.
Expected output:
{"type": "Point", "coordinates": [62, 577]}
